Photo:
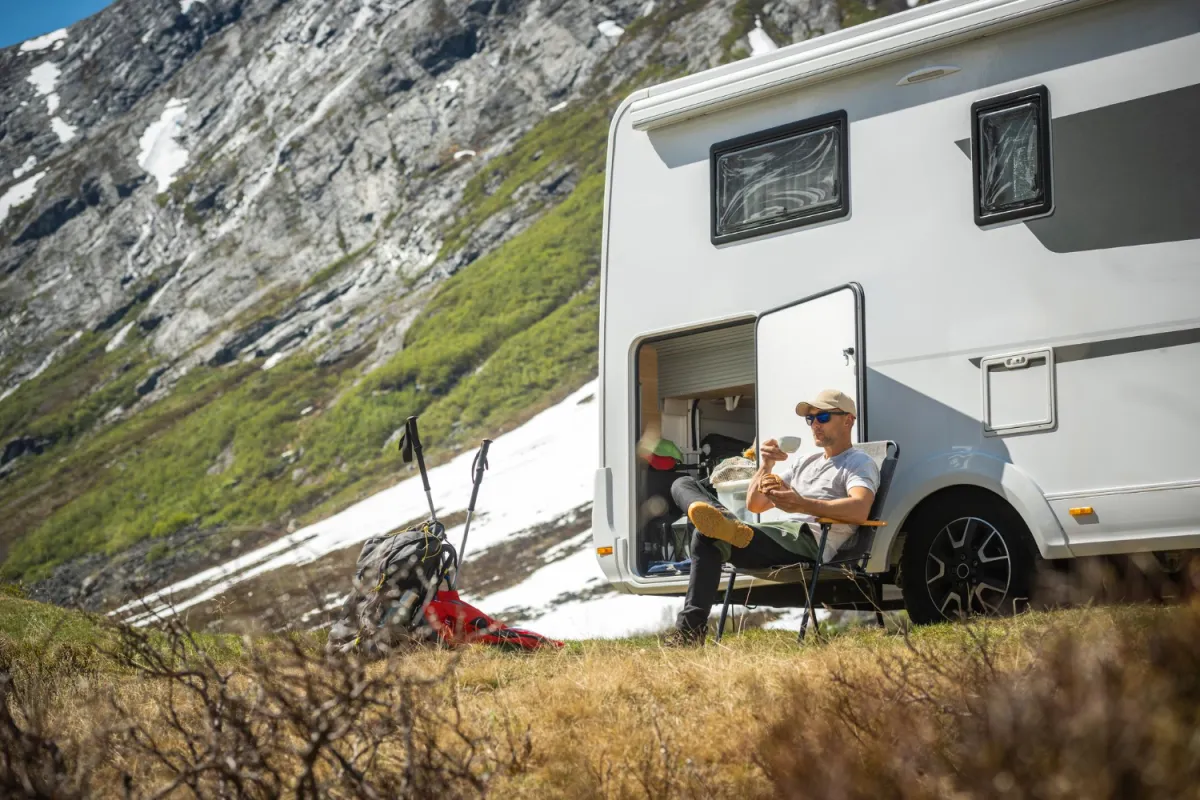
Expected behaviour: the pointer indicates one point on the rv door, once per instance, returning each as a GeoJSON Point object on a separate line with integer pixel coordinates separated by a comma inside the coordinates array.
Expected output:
{"type": "Point", "coordinates": [804, 347]}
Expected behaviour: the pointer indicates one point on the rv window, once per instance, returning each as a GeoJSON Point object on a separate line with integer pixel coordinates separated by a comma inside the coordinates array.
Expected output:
{"type": "Point", "coordinates": [781, 178]}
{"type": "Point", "coordinates": [1011, 156]}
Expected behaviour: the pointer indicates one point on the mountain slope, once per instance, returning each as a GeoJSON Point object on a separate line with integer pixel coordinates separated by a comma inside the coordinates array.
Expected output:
{"type": "Point", "coordinates": [243, 239]}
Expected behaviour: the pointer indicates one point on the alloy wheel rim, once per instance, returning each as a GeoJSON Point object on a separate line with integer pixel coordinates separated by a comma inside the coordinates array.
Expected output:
{"type": "Point", "coordinates": [968, 569]}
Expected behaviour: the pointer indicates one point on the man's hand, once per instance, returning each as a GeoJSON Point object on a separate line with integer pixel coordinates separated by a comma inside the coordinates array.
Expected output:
{"type": "Point", "coordinates": [770, 454]}
{"type": "Point", "coordinates": [785, 499]}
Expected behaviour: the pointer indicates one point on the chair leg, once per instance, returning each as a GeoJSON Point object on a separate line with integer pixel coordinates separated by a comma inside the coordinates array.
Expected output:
{"type": "Point", "coordinates": [877, 599]}
{"type": "Point", "coordinates": [810, 609]}
{"type": "Point", "coordinates": [725, 605]}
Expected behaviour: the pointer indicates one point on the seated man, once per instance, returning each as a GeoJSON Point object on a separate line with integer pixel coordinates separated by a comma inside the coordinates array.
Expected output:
{"type": "Point", "coordinates": [839, 482]}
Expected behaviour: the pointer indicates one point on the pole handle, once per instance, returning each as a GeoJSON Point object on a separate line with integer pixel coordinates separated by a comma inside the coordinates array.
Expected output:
{"type": "Point", "coordinates": [410, 445]}
{"type": "Point", "coordinates": [477, 467]}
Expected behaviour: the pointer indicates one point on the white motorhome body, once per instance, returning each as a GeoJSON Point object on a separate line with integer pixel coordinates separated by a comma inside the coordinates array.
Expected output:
{"type": "Point", "coordinates": [992, 241]}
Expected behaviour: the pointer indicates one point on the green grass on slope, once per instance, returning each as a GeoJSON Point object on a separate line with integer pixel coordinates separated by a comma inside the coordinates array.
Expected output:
{"type": "Point", "coordinates": [163, 470]}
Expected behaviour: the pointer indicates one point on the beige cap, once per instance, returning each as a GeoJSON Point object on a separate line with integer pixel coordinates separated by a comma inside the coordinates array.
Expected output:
{"type": "Point", "coordinates": [827, 400]}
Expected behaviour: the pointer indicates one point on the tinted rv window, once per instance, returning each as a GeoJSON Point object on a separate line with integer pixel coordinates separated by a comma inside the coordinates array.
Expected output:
{"type": "Point", "coordinates": [1010, 156]}
{"type": "Point", "coordinates": [781, 178]}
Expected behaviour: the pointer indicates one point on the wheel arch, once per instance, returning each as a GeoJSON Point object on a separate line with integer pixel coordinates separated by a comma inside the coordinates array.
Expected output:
{"type": "Point", "coordinates": [919, 485]}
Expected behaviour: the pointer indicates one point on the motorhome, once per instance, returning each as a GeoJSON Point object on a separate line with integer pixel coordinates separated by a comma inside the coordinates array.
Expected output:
{"type": "Point", "coordinates": [981, 219]}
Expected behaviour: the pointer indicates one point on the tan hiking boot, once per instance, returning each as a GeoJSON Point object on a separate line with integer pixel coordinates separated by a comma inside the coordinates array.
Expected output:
{"type": "Point", "coordinates": [711, 522]}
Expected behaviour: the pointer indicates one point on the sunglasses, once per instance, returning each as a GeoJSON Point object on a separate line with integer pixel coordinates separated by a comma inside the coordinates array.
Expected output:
{"type": "Point", "coordinates": [823, 416]}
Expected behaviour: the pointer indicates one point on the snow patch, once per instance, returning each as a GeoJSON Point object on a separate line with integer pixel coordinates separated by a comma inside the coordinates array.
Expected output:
{"type": "Point", "coordinates": [760, 42]}
{"type": "Point", "coordinates": [29, 164]}
{"type": "Point", "coordinates": [452, 85]}
{"type": "Point", "coordinates": [119, 339]}
{"type": "Point", "coordinates": [44, 78]}
{"type": "Point", "coordinates": [18, 194]}
{"type": "Point", "coordinates": [185, 5]}
{"type": "Point", "coordinates": [556, 107]}
{"type": "Point", "coordinates": [62, 130]}
{"type": "Point", "coordinates": [610, 29]}
{"type": "Point", "coordinates": [270, 362]}
{"type": "Point", "coordinates": [464, 154]}
{"type": "Point", "coordinates": [648, 9]}
{"type": "Point", "coordinates": [913, 3]}
{"type": "Point", "coordinates": [160, 153]}
{"type": "Point", "coordinates": [54, 39]}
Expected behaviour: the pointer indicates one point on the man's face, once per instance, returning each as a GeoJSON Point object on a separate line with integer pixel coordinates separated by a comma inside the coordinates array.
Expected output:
{"type": "Point", "coordinates": [833, 433]}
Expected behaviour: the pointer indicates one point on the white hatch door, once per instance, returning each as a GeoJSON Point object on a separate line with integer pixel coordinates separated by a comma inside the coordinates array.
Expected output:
{"type": "Point", "coordinates": [800, 349]}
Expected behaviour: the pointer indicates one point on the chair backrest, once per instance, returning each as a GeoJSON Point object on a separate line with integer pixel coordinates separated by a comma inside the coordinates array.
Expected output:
{"type": "Point", "coordinates": [885, 454]}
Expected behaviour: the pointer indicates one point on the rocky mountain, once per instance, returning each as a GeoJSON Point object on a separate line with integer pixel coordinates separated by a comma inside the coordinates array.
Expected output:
{"type": "Point", "coordinates": [241, 240]}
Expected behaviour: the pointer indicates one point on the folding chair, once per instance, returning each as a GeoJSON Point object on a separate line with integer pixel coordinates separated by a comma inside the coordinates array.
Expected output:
{"type": "Point", "coordinates": [853, 554]}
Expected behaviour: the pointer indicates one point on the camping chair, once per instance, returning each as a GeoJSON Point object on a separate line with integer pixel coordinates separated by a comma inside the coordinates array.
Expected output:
{"type": "Point", "coordinates": [852, 556]}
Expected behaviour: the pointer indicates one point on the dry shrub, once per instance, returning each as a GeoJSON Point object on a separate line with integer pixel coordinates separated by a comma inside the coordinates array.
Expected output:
{"type": "Point", "coordinates": [1085, 713]}
{"type": "Point", "coordinates": [281, 718]}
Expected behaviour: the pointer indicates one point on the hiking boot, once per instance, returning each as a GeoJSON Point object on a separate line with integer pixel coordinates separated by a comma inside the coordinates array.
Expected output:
{"type": "Point", "coordinates": [711, 522]}
{"type": "Point", "coordinates": [681, 637]}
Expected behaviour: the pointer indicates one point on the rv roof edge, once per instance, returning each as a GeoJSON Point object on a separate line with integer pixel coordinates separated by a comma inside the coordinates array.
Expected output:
{"type": "Point", "coordinates": [818, 60]}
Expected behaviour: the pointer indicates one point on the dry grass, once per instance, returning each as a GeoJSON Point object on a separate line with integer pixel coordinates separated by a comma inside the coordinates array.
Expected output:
{"type": "Point", "coordinates": [1092, 702]}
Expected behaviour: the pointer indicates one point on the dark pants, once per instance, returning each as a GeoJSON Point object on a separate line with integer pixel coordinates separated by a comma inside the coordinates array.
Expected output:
{"type": "Point", "coordinates": [705, 578]}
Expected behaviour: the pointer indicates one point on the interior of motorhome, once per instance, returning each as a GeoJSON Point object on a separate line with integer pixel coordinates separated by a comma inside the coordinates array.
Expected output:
{"type": "Point", "coordinates": [695, 390]}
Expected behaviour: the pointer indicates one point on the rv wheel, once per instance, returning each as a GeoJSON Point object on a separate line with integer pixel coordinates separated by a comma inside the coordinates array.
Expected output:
{"type": "Point", "coordinates": [967, 555]}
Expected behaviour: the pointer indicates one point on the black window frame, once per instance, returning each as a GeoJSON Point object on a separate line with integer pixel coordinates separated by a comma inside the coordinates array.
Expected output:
{"type": "Point", "coordinates": [838, 119]}
{"type": "Point", "coordinates": [1044, 162]}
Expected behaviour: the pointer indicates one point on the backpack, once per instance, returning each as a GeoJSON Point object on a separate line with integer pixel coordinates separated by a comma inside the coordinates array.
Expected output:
{"type": "Point", "coordinates": [395, 579]}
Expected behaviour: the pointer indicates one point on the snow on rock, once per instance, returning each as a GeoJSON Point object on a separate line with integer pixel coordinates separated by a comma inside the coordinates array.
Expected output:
{"type": "Point", "coordinates": [452, 85]}
{"type": "Point", "coordinates": [25, 168]}
{"type": "Point", "coordinates": [44, 78]}
{"type": "Point", "coordinates": [18, 194]}
{"type": "Point", "coordinates": [62, 130]}
{"type": "Point", "coordinates": [557, 107]}
{"type": "Point", "coordinates": [54, 39]}
{"type": "Point", "coordinates": [119, 339]}
{"type": "Point", "coordinates": [464, 154]}
{"type": "Point", "coordinates": [160, 153]}
{"type": "Point", "coordinates": [185, 5]}
{"type": "Point", "coordinates": [760, 42]}
{"type": "Point", "coordinates": [610, 29]}
{"type": "Point", "coordinates": [648, 9]}
{"type": "Point", "coordinates": [274, 359]}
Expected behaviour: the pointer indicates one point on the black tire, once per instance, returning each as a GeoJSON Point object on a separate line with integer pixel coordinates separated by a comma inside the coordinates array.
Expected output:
{"type": "Point", "coordinates": [966, 554]}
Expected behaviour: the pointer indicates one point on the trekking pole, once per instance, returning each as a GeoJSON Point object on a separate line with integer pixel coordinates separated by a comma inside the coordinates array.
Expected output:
{"type": "Point", "coordinates": [410, 443]}
{"type": "Point", "coordinates": [477, 468]}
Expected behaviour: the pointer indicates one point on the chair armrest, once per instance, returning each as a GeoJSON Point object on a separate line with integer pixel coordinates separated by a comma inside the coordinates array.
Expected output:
{"type": "Point", "coordinates": [871, 523]}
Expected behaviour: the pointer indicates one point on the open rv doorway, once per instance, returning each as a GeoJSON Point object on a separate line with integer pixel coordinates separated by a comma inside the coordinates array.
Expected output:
{"type": "Point", "coordinates": [695, 401]}
{"type": "Point", "coordinates": [802, 348]}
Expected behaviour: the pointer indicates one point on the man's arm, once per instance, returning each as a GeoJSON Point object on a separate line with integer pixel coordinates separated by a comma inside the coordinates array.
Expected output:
{"type": "Point", "coordinates": [757, 501]}
{"type": "Point", "coordinates": [853, 509]}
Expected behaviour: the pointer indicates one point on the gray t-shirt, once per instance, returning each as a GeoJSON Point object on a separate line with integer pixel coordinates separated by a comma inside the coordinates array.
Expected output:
{"type": "Point", "coordinates": [819, 478]}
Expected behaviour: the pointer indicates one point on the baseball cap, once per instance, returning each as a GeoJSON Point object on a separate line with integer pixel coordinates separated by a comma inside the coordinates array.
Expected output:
{"type": "Point", "coordinates": [827, 400]}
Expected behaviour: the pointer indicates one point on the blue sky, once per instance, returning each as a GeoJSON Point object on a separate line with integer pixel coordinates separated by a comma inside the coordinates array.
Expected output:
{"type": "Point", "coordinates": [24, 19]}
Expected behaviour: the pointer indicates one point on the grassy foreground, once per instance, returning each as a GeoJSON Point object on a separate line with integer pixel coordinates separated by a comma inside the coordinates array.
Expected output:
{"type": "Point", "coordinates": [1083, 703]}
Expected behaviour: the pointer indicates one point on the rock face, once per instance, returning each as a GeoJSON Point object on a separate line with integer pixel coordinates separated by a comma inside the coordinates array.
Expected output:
{"type": "Point", "coordinates": [242, 145]}
{"type": "Point", "coordinates": [168, 167]}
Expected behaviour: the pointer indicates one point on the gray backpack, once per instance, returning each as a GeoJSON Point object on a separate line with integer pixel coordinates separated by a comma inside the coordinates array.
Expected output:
{"type": "Point", "coordinates": [396, 577]}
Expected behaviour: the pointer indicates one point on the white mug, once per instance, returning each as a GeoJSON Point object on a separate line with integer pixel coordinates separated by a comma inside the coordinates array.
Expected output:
{"type": "Point", "coordinates": [789, 444]}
